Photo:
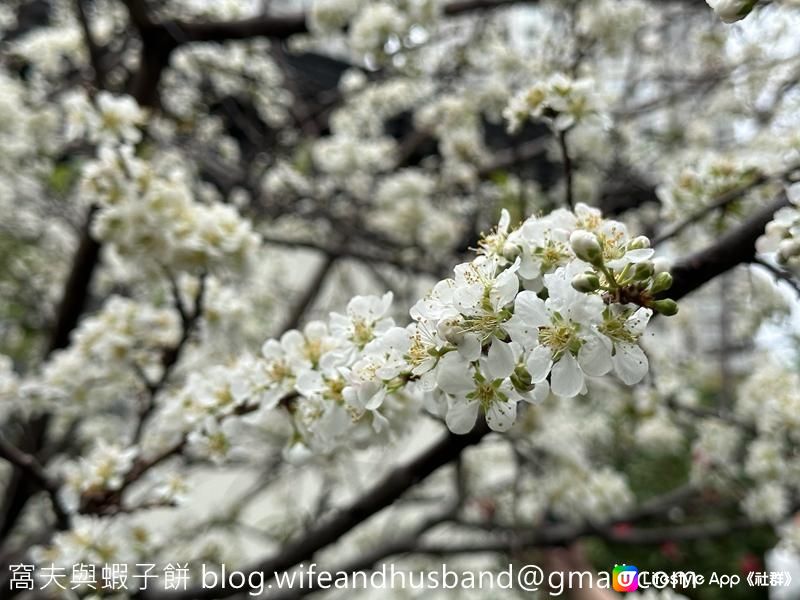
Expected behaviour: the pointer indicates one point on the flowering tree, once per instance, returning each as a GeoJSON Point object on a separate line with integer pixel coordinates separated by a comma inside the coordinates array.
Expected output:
{"type": "Point", "coordinates": [510, 260]}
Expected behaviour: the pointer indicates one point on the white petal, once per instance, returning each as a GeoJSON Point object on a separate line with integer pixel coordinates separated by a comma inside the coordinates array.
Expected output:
{"type": "Point", "coordinates": [639, 255]}
{"type": "Point", "coordinates": [531, 309]}
{"type": "Point", "coordinates": [372, 394]}
{"type": "Point", "coordinates": [461, 416]}
{"type": "Point", "coordinates": [637, 322]}
{"type": "Point", "coordinates": [567, 377]}
{"type": "Point", "coordinates": [504, 289]}
{"type": "Point", "coordinates": [470, 347]}
{"type": "Point", "coordinates": [594, 357]}
{"type": "Point", "coordinates": [505, 220]}
{"type": "Point", "coordinates": [500, 363]}
{"type": "Point", "coordinates": [453, 375]}
{"type": "Point", "coordinates": [630, 363]}
{"type": "Point", "coordinates": [309, 382]}
{"type": "Point", "coordinates": [539, 362]}
{"type": "Point", "coordinates": [501, 415]}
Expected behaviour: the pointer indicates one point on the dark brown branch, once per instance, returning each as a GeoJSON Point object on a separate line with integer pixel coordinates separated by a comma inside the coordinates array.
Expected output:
{"type": "Point", "coordinates": [567, 162]}
{"type": "Point", "coordinates": [159, 40]}
{"type": "Point", "coordinates": [76, 289]}
{"type": "Point", "coordinates": [310, 294]}
{"type": "Point", "coordinates": [20, 487]}
{"type": "Point", "coordinates": [722, 201]}
{"type": "Point", "coordinates": [780, 274]}
{"type": "Point", "coordinates": [171, 356]}
{"type": "Point", "coordinates": [95, 51]}
{"type": "Point", "coordinates": [737, 246]}
{"type": "Point", "coordinates": [36, 473]}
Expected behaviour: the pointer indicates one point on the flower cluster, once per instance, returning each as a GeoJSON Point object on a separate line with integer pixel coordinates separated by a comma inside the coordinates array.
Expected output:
{"type": "Point", "coordinates": [97, 541]}
{"type": "Point", "coordinates": [405, 211]}
{"type": "Point", "coordinates": [124, 335]}
{"type": "Point", "coordinates": [544, 307]}
{"type": "Point", "coordinates": [102, 469]}
{"type": "Point", "coordinates": [108, 120]}
{"type": "Point", "coordinates": [782, 234]}
{"type": "Point", "coordinates": [152, 216]}
{"type": "Point", "coordinates": [561, 100]}
{"type": "Point", "coordinates": [375, 29]}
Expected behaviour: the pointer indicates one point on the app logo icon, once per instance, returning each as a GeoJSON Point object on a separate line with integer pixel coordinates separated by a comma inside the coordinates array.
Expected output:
{"type": "Point", "coordinates": [626, 578]}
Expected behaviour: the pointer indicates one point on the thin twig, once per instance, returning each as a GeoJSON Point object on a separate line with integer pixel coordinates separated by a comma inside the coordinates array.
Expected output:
{"type": "Point", "coordinates": [567, 161]}
{"type": "Point", "coordinates": [779, 274]}
{"type": "Point", "coordinates": [30, 466]}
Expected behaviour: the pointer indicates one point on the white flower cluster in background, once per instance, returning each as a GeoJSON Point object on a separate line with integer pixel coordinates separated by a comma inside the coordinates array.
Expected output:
{"type": "Point", "coordinates": [782, 234]}
{"type": "Point", "coordinates": [704, 182]}
{"type": "Point", "coordinates": [588, 495]}
{"type": "Point", "coordinates": [100, 470]}
{"type": "Point", "coordinates": [544, 307]}
{"type": "Point", "coordinates": [240, 69]}
{"type": "Point", "coordinates": [561, 100]}
{"type": "Point", "coordinates": [375, 29]}
{"type": "Point", "coordinates": [122, 336]}
{"type": "Point", "coordinates": [405, 211]}
{"type": "Point", "coordinates": [95, 540]}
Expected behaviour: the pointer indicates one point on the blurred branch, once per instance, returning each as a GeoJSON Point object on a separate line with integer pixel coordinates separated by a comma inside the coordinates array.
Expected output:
{"type": "Point", "coordinates": [735, 247]}
{"type": "Point", "coordinates": [73, 302]}
{"type": "Point", "coordinates": [28, 464]}
{"type": "Point", "coordinates": [160, 39]}
{"type": "Point", "coordinates": [779, 274]}
{"type": "Point", "coordinates": [384, 493]}
{"type": "Point", "coordinates": [95, 51]}
{"type": "Point", "coordinates": [723, 201]}
{"type": "Point", "coordinates": [313, 289]}
{"type": "Point", "coordinates": [567, 161]}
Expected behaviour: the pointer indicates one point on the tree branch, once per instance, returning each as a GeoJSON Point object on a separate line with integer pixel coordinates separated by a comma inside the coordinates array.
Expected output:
{"type": "Point", "coordinates": [737, 246]}
{"type": "Point", "coordinates": [31, 467]}
{"type": "Point", "coordinates": [383, 494]}
{"type": "Point", "coordinates": [567, 162]}
{"type": "Point", "coordinates": [310, 294]}
{"type": "Point", "coordinates": [95, 51]}
{"type": "Point", "coordinates": [722, 201]}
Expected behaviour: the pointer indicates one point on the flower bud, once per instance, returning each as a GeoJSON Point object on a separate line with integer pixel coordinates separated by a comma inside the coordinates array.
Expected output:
{"type": "Point", "coordinates": [586, 282]}
{"type": "Point", "coordinates": [586, 246]}
{"type": "Point", "coordinates": [451, 330]}
{"type": "Point", "coordinates": [731, 11]}
{"type": "Point", "coordinates": [510, 251]}
{"type": "Point", "coordinates": [788, 249]}
{"type": "Point", "coordinates": [776, 229]}
{"type": "Point", "coordinates": [639, 242]}
{"type": "Point", "coordinates": [666, 307]}
{"type": "Point", "coordinates": [661, 282]}
{"type": "Point", "coordinates": [521, 380]}
{"type": "Point", "coordinates": [643, 270]}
